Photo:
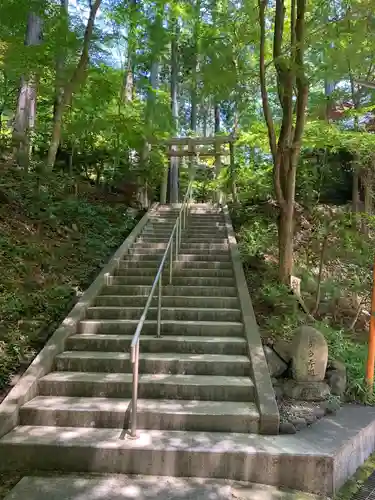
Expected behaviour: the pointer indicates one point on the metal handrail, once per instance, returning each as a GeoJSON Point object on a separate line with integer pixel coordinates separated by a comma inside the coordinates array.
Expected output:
{"type": "Point", "coordinates": [176, 233]}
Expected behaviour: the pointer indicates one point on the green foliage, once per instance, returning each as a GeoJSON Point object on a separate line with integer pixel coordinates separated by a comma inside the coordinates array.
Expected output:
{"type": "Point", "coordinates": [354, 354]}
{"type": "Point", "coordinates": [51, 248]}
{"type": "Point", "coordinates": [346, 281]}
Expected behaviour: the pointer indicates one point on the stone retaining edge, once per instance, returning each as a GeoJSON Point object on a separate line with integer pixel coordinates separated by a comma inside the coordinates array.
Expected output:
{"type": "Point", "coordinates": [26, 389]}
{"type": "Point", "coordinates": [352, 454]}
{"type": "Point", "coordinates": [265, 395]}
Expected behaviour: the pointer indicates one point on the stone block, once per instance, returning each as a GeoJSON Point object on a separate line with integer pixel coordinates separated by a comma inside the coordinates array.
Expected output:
{"type": "Point", "coordinates": [307, 391]}
{"type": "Point", "coordinates": [309, 356]}
{"type": "Point", "coordinates": [276, 365]}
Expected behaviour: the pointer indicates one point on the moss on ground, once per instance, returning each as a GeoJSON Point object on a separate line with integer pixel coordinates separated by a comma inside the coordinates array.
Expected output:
{"type": "Point", "coordinates": [352, 486]}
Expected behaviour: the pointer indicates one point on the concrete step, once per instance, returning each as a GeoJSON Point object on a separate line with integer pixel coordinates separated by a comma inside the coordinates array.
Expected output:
{"type": "Point", "coordinates": [172, 290]}
{"type": "Point", "coordinates": [214, 236]}
{"type": "Point", "coordinates": [182, 257]}
{"type": "Point", "coordinates": [183, 301]}
{"type": "Point", "coordinates": [168, 363]}
{"type": "Point", "coordinates": [128, 326]}
{"type": "Point", "coordinates": [211, 247]}
{"type": "Point", "coordinates": [156, 386]}
{"type": "Point", "coordinates": [152, 414]}
{"type": "Point", "coordinates": [215, 256]}
{"type": "Point", "coordinates": [125, 264]}
{"type": "Point", "coordinates": [288, 461]}
{"type": "Point", "coordinates": [176, 280]}
{"type": "Point", "coordinates": [205, 235]}
{"type": "Point", "coordinates": [167, 313]}
{"type": "Point", "coordinates": [152, 238]}
{"type": "Point", "coordinates": [205, 226]}
{"type": "Point", "coordinates": [143, 250]}
{"type": "Point", "coordinates": [151, 271]}
{"type": "Point", "coordinates": [150, 343]}
{"type": "Point", "coordinates": [151, 246]}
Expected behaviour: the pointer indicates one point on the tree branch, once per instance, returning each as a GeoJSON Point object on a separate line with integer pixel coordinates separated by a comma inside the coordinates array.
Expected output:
{"type": "Point", "coordinates": [302, 83]}
{"type": "Point", "coordinates": [277, 47]}
{"type": "Point", "coordinates": [263, 85]}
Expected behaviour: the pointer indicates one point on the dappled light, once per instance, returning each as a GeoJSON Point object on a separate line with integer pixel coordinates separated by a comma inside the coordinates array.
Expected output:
{"type": "Point", "coordinates": [224, 151]}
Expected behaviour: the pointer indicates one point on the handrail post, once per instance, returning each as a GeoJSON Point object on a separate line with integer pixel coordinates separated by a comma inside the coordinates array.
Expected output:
{"type": "Point", "coordinates": [159, 305]}
{"type": "Point", "coordinates": [177, 237]}
{"type": "Point", "coordinates": [180, 233]}
{"type": "Point", "coordinates": [135, 357]}
{"type": "Point", "coordinates": [170, 262]}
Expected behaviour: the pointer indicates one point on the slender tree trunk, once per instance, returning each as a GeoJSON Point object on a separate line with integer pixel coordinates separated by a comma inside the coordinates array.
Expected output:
{"type": "Point", "coordinates": [217, 149]}
{"type": "Point", "coordinates": [128, 85]}
{"type": "Point", "coordinates": [286, 229]}
{"type": "Point", "coordinates": [232, 167]}
{"type": "Point", "coordinates": [60, 60]}
{"type": "Point", "coordinates": [355, 184]}
{"type": "Point", "coordinates": [286, 148]}
{"type": "Point", "coordinates": [24, 121]}
{"type": "Point", "coordinates": [204, 121]}
{"type": "Point", "coordinates": [367, 197]}
{"type": "Point", "coordinates": [217, 117]}
{"type": "Point", "coordinates": [174, 170]}
{"type": "Point", "coordinates": [194, 86]}
{"type": "Point", "coordinates": [70, 88]}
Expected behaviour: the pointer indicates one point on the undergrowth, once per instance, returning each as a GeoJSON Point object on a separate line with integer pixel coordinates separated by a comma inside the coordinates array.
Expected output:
{"type": "Point", "coordinates": [341, 312]}
{"type": "Point", "coordinates": [52, 244]}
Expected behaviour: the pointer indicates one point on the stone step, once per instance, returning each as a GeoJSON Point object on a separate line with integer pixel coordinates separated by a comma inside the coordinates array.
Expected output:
{"type": "Point", "coordinates": [142, 250]}
{"type": "Point", "coordinates": [183, 301]}
{"type": "Point", "coordinates": [197, 225]}
{"type": "Point", "coordinates": [191, 256]}
{"type": "Point", "coordinates": [166, 363]}
{"type": "Point", "coordinates": [151, 271]}
{"type": "Point", "coordinates": [176, 281]}
{"type": "Point", "coordinates": [205, 235]}
{"type": "Point", "coordinates": [151, 414]}
{"type": "Point", "coordinates": [151, 246]}
{"type": "Point", "coordinates": [182, 257]}
{"type": "Point", "coordinates": [288, 461]}
{"type": "Point", "coordinates": [151, 240]}
{"type": "Point", "coordinates": [172, 290]}
{"type": "Point", "coordinates": [128, 326]}
{"type": "Point", "coordinates": [155, 386]}
{"type": "Point", "coordinates": [125, 264]}
{"type": "Point", "coordinates": [187, 232]}
{"type": "Point", "coordinates": [205, 226]}
{"type": "Point", "coordinates": [215, 256]}
{"type": "Point", "coordinates": [150, 343]}
{"type": "Point", "coordinates": [167, 313]}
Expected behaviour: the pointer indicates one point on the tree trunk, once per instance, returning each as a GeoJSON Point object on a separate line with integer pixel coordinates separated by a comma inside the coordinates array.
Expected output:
{"type": "Point", "coordinates": [174, 108]}
{"type": "Point", "coordinates": [232, 167]}
{"type": "Point", "coordinates": [128, 85]}
{"type": "Point", "coordinates": [286, 223]}
{"type": "Point", "coordinates": [70, 88]}
{"type": "Point", "coordinates": [204, 121]}
{"type": "Point", "coordinates": [217, 149]}
{"type": "Point", "coordinates": [217, 117]}
{"type": "Point", "coordinates": [194, 86]}
{"type": "Point", "coordinates": [367, 195]}
{"type": "Point", "coordinates": [60, 60]}
{"type": "Point", "coordinates": [164, 187]}
{"type": "Point", "coordinates": [286, 148]}
{"type": "Point", "coordinates": [355, 185]}
{"type": "Point", "coordinates": [24, 121]}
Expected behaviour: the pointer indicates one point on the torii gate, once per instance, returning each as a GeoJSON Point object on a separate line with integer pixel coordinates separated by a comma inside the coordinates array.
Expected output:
{"type": "Point", "coordinates": [194, 147]}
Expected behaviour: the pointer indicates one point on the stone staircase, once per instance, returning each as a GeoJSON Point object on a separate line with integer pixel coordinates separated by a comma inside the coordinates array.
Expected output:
{"type": "Point", "coordinates": [195, 378]}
